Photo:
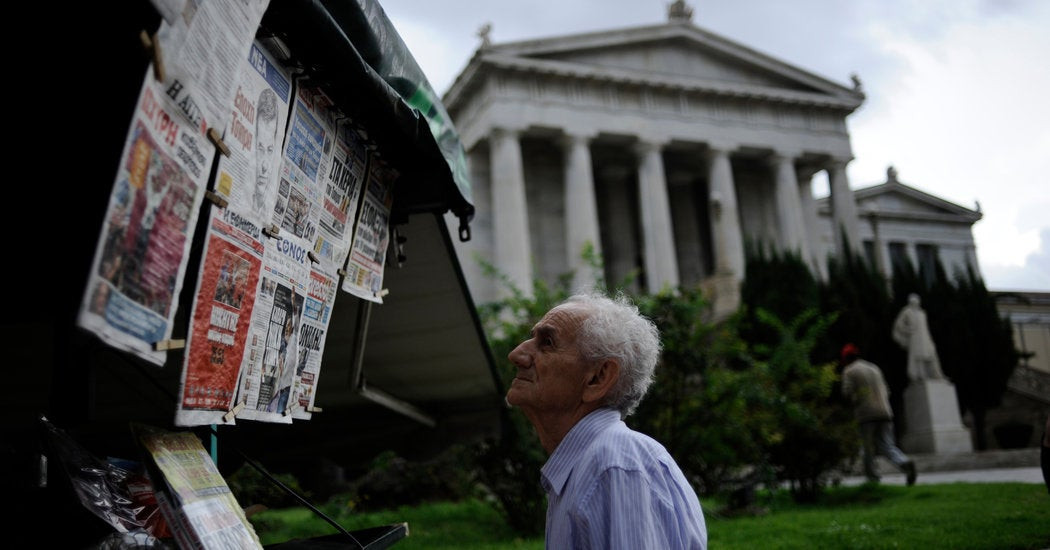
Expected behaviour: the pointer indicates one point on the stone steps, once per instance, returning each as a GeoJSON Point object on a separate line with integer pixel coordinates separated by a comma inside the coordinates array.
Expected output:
{"type": "Point", "coordinates": [977, 460]}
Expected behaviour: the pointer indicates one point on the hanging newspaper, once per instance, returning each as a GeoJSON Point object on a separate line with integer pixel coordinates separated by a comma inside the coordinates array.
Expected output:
{"type": "Point", "coordinates": [272, 355]}
{"type": "Point", "coordinates": [313, 329]}
{"type": "Point", "coordinates": [340, 180]}
{"type": "Point", "coordinates": [141, 257]}
{"type": "Point", "coordinates": [203, 48]}
{"type": "Point", "coordinates": [364, 267]}
{"type": "Point", "coordinates": [234, 247]}
{"type": "Point", "coordinates": [343, 183]}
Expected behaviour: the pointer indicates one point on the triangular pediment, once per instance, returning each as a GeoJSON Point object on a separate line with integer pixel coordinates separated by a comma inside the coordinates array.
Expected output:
{"type": "Point", "coordinates": [893, 199]}
{"type": "Point", "coordinates": [680, 53]}
{"type": "Point", "coordinates": [681, 58]}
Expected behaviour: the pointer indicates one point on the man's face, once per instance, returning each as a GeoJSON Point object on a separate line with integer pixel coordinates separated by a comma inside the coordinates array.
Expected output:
{"type": "Point", "coordinates": [551, 374]}
{"type": "Point", "coordinates": [265, 141]}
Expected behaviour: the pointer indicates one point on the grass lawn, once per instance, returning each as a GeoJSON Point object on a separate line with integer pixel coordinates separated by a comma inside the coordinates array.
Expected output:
{"type": "Point", "coordinates": [997, 516]}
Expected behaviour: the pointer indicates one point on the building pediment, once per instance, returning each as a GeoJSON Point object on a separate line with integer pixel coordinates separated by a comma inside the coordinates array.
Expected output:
{"type": "Point", "coordinates": [676, 55]}
{"type": "Point", "coordinates": [893, 199]}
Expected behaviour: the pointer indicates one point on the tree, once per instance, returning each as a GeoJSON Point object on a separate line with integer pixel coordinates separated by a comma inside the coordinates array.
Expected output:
{"type": "Point", "coordinates": [709, 404]}
{"type": "Point", "coordinates": [818, 433]}
{"type": "Point", "coordinates": [974, 343]}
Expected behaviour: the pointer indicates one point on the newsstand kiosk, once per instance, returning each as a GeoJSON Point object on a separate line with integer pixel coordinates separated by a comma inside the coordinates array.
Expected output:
{"type": "Point", "coordinates": [244, 250]}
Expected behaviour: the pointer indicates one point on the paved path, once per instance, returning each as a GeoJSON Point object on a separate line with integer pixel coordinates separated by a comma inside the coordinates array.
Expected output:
{"type": "Point", "coordinates": [993, 475]}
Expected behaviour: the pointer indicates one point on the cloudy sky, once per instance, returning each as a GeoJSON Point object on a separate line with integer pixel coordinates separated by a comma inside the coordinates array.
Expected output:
{"type": "Point", "coordinates": [957, 90]}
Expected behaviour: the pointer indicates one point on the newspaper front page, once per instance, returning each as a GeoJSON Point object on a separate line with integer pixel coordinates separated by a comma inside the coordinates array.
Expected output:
{"type": "Point", "coordinates": [140, 260]}
{"type": "Point", "coordinates": [200, 509]}
{"type": "Point", "coordinates": [364, 267]}
{"type": "Point", "coordinates": [313, 330]}
{"type": "Point", "coordinates": [272, 356]}
{"type": "Point", "coordinates": [203, 48]}
{"type": "Point", "coordinates": [271, 353]}
{"type": "Point", "coordinates": [232, 260]}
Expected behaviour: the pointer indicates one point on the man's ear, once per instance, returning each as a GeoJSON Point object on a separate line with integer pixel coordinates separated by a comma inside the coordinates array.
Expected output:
{"type": "Point", "coordinates": [602, 380]}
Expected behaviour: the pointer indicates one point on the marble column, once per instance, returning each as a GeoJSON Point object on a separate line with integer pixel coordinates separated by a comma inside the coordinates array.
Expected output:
{"type": "Point", "coordinates": [808, 204]}
{"type": "Point", "coordinates": [843, 209]}
{"type": "Point", "coordinates": [791, 224]}
{"type": "Point", "coordinates": [661, 263]}
{"type": "Point", "coordinates": [581, 211]}
{"type": "Point", "coordinates": [727, 236]}
{"type": "Point", "coordinates": [510, 219]}
{"type": "Point", "coordinates": [879, 248]}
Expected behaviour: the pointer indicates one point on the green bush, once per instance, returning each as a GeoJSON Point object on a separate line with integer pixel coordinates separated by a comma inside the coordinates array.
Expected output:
{"type": "Point", "coordinates": [818, 433]}
{"type": "Point", "coordinates": [393, 481]}
{"type": "Point", "coordinates": [250, 486]}
{"type": "Point", "coordinates": [706, 404]}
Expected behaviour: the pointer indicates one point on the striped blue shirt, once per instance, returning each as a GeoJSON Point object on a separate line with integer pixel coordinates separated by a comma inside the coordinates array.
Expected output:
{"type": "Point", "coordinates": [611, 487]}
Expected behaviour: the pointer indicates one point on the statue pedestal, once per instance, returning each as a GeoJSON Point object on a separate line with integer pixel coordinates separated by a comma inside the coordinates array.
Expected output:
{"type": "Point", "coordinates": [932, 421]}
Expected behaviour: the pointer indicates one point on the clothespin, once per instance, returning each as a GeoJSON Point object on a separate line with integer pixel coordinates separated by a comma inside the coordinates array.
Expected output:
{"type": "Point", "coordinates": [232, 413]}
{"type": "Point", "coordinates": [216, 198]}
{"type": "Point", "coordinates": [165, 345]}
{"type": "Point", "coordinates": [215, 138]}
{"type": "Point", "coordinates": [152, 45]}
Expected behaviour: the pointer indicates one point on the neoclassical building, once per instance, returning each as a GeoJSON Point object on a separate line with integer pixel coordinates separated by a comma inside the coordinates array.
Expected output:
{"type": "Point", "coordinates": [667, 147]}
{"type": "Point", "coordinates": [901, 224]}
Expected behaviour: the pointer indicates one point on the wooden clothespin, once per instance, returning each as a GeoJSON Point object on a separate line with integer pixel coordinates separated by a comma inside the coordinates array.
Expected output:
{"type": "Point", "coordinates": [215, 138]}
{"type": "Point", "coordinates": [216, 199]}
{"type": "Point", "coordinates": [291, 408]}
{"type": "Point", "coordinates": [152, 45]}
{"type": "Point", "coordinates": [232, 413]}
{"type": "Point", "coordinates": [272, 231]}
{"type": "Point", "coordinates": [165, 345]}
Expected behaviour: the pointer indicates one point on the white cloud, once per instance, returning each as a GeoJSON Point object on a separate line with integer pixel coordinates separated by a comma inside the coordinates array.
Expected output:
{"type": "Point", "coordinates": [965, 118]}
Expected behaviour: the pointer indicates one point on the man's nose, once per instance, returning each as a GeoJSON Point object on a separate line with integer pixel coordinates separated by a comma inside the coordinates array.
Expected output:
{"type": "Point", "coordinates": [519, 356]}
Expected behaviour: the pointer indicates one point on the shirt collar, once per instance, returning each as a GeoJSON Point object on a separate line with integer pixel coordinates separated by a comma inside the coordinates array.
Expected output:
{"type": "Point", "coordinates": [559, 465]}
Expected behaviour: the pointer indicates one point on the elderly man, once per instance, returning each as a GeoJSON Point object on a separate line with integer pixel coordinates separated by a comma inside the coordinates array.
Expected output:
{"type": "Point", "coordinates": [586, 366]}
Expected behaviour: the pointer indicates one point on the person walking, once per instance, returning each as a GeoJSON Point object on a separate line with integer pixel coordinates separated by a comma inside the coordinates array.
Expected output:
{"type": "Point", "coordinates": [865, 388]}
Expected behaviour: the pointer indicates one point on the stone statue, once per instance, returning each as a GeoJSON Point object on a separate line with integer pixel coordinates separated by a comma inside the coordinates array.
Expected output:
{"type": "Point", "coordinates": [857, 86]}
{"type": "Point", "coordinates": [679, 11]}
{"type": "Point", "coordinates": [485, 34]}
{"type": "Point", "coordinates": [912, 333]}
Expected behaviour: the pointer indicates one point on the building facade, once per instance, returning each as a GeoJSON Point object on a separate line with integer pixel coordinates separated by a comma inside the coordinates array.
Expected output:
{"type": "Point", "coordinates": [666, 147]}
{"type": "Point", "coordinates": [899, 224]}
{"type": "Point", "coordinates": [670, 149]}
